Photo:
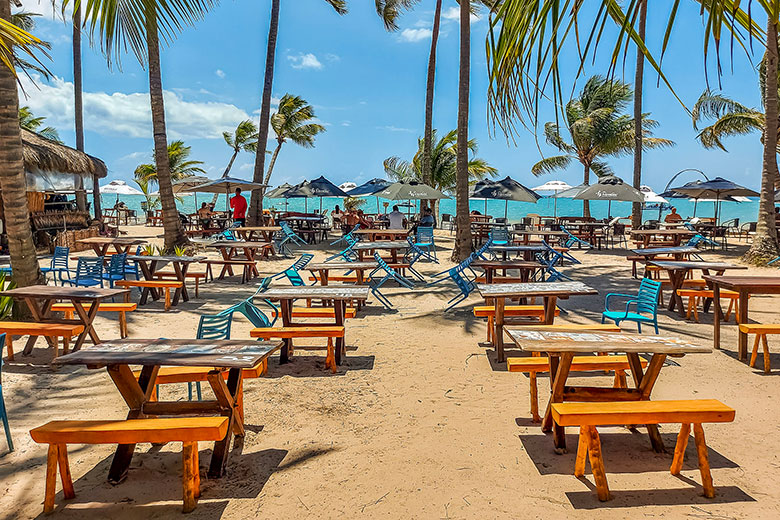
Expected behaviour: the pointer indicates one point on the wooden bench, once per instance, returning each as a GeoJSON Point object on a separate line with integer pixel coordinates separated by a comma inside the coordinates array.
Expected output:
{"type": "Point", "coordinates": [696, 295]}
{"type": "Point", "coordinates": [499, 279]}
{"type": "Point", "coordinates": [314, 331]}
{"type": "Point", "coordinates": [535, 365]}
{"type": "Point", "coordinates": [187, 430]}
{"type": "Point", "coordinates": [165, 285]}
{"type": "Point", "coordinates": [197, 276]}
{"type": "Point", "coordinates": [48, 330]}
{"type": "Point", "coordinates": [121, 308]}
{"type": "Point", "coordinates": [318, 312]}
{"type": "Point", "coordinates": [348, 278]}
{"type": "Point", "coordinates": [761, 331]}
{"type": "Point", "coordinates": [489, 312]}
{"type": "Point", "coordinates": [590, 415]}
{"type": "Point", "coordinates": [246, 268]}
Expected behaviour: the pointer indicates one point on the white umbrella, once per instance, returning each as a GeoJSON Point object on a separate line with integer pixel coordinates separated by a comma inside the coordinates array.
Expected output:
{"type": "Point", "coordinates": [652, 197]}
{"type": "Point", "coordinates": [552, 186]}
{"type": "Point", "coordinates": [119, 188]}
{"type": "Point", "coordinates": [560, 190]}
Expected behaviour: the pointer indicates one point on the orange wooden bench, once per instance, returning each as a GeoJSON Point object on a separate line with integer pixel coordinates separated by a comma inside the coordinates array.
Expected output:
{"type": "Point", "coordinates": [314, 331]}
{"type": "Point", "coordinates": [187, 430]}
{"type": "Point", "coordinates": [590, 415]}
{"type": "Point", "coordinates": [245, 265]}
{"type": "Point", "coordinates": [318, 312]}
{"type": "Point", "coordinates": [761, 331]}
{"type": "Point", "coordinates": [49, 330]}
{"type": "Point", "coordinates": [697, 295]}
{"type": "Point", "coordinates": [165, 285]}
{"type": "Point", "coordinates": [197, 276]}
{"type": "Point", "coordinates": [489, 312]}
{"type": "Point", "coordinates": [121, 308]}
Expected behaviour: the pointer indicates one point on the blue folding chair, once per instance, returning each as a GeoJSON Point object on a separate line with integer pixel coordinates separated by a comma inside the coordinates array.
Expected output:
{"type": "Point", "coordinates": [390, 274]}
{"type": "Point", "coordinates": [210, 327]}
{"type": "Point", "coordinates": [549, 273]}
{"type": "Point", "coordinates": [424, 243]}
{"type": "Point", "coordinates": [131, 268]}
{"type": "Point", "coordinates": [499, 236]}
{"type": "Point", "coordinates": [289, 233]}
{"type": "Point", "coordinates": [3, 409]}
{"type": "Point", "coordinates": [292, 273]}
{"type": "Point", "coordinates": [59, 264]}
{"type": "Point", "coordinates": [347, 254]}
{"type": "Point", "coordinates": [349, 234]}
{"type": "Point", "coordinates": [699, 239]}
{"type": "Point", "coordinates": [116, 269]}
{"type": "Point", "coordinates": [563, 254]}
{"type": "Point", "coordinates": [411, 257]}
{"type": "Point", "coordinates": [646, 302]}
{"type": "Point", "coordinates": [227, 234]}
{"type": "Point", "coordinates": [89, 273]}
{"type": "Point", "coordinates": [571, 240]}
{"type": "Point", "coordinates": [464, 284]}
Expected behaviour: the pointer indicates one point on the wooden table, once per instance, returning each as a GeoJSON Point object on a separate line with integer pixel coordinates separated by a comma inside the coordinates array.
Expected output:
{"type": "Point", "coordinates": [306, 225]}
{"type": "Point", "coordinates": [388, 245]}
{"type": "Point", "coordinates": [678, 253]}
{"type": "Point", "coordinates": [229, 251]}
{"type": "Point", "coordinates": [561, 347]}
{"type": "Point", "coordinates": [548, 291]}
{"type": "Point", "coordinates": [675, 236]}
{"type": "Point", "coordinates": [40, 298]}
{"type": "Point", "coordinates": [234, 356]}
{"type": "Point", "coordinates": [546, 235]}
{"type": "Point", "coordinates": [149, 265]}
{"type": "Point", "coordinates": [490, 267]}
{"type": "Point", "coordinates": [679, 270]}
{"type": "Point", "coordinates": [339, 296]}
{"type": "Point", "coordinates": [528, 250]}
{"type": "Point", "coordinates": [745, 286]}
{"type": "Point", "coordinates": [252, 232]}
{"type": "Point", "coordinates": [121, 245]}
{"type": "Point", "coordinates": [389, 234]}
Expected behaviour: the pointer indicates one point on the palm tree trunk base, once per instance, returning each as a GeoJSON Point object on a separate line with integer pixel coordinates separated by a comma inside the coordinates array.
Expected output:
{"type": "Point", "coordinates": [762, 251]}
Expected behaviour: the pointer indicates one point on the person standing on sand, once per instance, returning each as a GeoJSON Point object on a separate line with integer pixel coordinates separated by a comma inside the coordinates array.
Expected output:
{"type": "Point", "coordinates": [238, 205]}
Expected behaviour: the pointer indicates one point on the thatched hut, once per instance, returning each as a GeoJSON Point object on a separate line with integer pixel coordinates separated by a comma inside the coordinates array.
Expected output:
{"type": "Point", "coordinates": [51, 166]}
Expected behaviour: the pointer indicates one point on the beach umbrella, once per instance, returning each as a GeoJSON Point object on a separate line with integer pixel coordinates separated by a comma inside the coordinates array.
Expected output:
{"type": "Point", "coordinates": [322, 187]}
{"type": "Point", "coordinates": [717, 188]}
{"type": "Point", "coordinates": [506, 189]}
{"type": "Point", "coordinates": [119, 188]}
{"type": "Point", "coordinates": [555, 188]}
{"type": "Point", "coordinates": [410, 191]}
{"type": "Point", "coordinates": [280, 193]}
{"type": "Point", "coordinates": [611, 188]}
{"type": "Point", "coordinates": [369, 188]}
{"type": "Point", "coordinates": [652, 197]}
{"type": "Point", "coordinates": [224, 185]}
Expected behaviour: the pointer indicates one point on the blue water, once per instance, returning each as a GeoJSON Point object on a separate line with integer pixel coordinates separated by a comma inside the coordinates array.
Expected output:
{"type": "Point", "coordinates": [745, 211]}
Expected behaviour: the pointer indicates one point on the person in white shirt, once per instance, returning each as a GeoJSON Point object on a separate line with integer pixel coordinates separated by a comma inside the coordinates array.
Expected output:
{"type": "Point", "coordinates": [396, 219]}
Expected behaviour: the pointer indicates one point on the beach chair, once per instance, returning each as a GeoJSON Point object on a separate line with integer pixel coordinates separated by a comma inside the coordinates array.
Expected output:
{"type": "Point", "coordinates": [464, 284]}
{"type": "Point", "coordinates": [424, 241]}
{"type": "Point", "coordinates": [550, 273]}
{"type": "Point", "coordinates": [646, 302]}
{"type": "Point", "coordinates": [564, 255]}
{"type": "Point", "coordinates": [131, 268]}
{"type": "Point", "coordinates": [209, 327]}
{"type": "Point", "coordinates": [571, 240]}
{"type": "Point", "coordinates": [499, 236]}
{"type": "Point", "coordinates": [59, 264]}
{"type": "Point", "coordinates": [343, 238]}
{"type": "Point", "coordinates": [412, 255]}
{"type": "Point", "coordinates": [699, 240]}
{"type": "Point", "coordinates": [390, 274]}
{"type": "Point", "coordinates": [251, 311]}
{"type": "Point", "coordinates": [347, 254]}
{"type": "Point", "coordinates": [3, 409]}
{"type": "Point", "coordinates": [465, 265]}
{"type": "Point", "coordinates": [89, 273]}
{"type": "Point", "coordinates": [116, 269]}
{"type": "Point", "coordinates": [291, 235]}
{"type": "Point", "coordinates": [228, 234]}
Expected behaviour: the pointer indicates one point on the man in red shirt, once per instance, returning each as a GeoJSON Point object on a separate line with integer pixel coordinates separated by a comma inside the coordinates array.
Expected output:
{"type": "Point", "coordinates": [238, 205]}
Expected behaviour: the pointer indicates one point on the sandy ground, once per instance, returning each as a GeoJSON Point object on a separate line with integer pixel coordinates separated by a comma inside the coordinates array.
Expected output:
{"type": "Point", "coordinates": [417, 423]}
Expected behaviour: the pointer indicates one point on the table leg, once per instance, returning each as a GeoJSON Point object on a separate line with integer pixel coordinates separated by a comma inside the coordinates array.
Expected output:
{"type": "Point", "coordinates": [39, 314]}
{"type": "Point", "coordinates": [87, 318]}
{"type": "Point", "coordinates": [675, 300]}
{"type": "Point", "coordinates": [228, 396]}
{"type": "Point", "coordinates": [743, 318]}
{"type": "Point", "coordinates": [550, 305]}
{"type": "Point", "coordinates": [147, 271]}
{"type": "Point", "coordinates": [716, 318]}
{"type": "Point", "coordinates": [181, 275]}
{"type": "Point", "coordinates": [498, 332]}
{"type": "Point", "coordinates": [560, 367]}
{"type": "Point", "coordinates": [250, 253]}
{"type": "Point", "coordinates": [338, 306]}
{"type": "Point", "coordinates": [644, 382]}
{"type": "Point", "coordinates": [287, 348]}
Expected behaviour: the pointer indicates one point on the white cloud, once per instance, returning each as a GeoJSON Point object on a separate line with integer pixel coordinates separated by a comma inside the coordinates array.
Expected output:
{"type": "Point", "coordinates": [247, 166]}
{"type": "Point", "coordinates": [332, 57]}
{"type": "Point", "coordinates": [305, 61]}
{"type": "Point", "coordinates": [346, 123]}
{"type": "Point", "coordinates": [453, 14]}
{"type": "Point", "coordinates": [392, 128]}
{"type": "Point", "coordinates": [129, 115]}
{"type": "Point", "coordinates": [220, 73]}
{"type": "Point", "coordinates": [135, 156]}
{"type": "Point", "coordinates": [415, 35]}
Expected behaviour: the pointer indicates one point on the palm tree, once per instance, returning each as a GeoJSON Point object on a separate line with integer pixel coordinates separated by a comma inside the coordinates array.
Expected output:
{"type": "Point", "coordinates": [292, 121]}
{"type": "Point", "coordinates": [78, 110]}
{"type": "Point", "coordinates": [443, 174]}
{"type": "Point", "coordinates": [136, 24]}
{"type": "Point", "coordinates": [179, 165]}
{"type": "Point", "coordinates": [639, 79]}
{"type": "Point", "coordinates": [28, 121]}
{"type": "Point", "coordinates": [462, 247]}
{"type": "Point", "coordinates": [244, 138]}
{"type": "Point", "coordinates": [598, 129]}
{"type": "Point", "coordinates": [429, 84]}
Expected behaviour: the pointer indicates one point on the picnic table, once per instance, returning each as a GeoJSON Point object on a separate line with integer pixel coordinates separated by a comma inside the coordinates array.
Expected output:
{"type": "Point", "coordinates": [251, 233]}
{"type": "Point", "coordinates": [387, 245]}
{"type": "Point", "coordinates": [548, 291]}
{"type": "Point", "coordinates": [548, 236]}
{"type": "Point", "coordinates": [561, 347]}
{"type": "Point", "coordinates": [224, 355]}
{"type": "Point", "coordinates": [40, 298]}
{"type": "Point", "coordinates": [390, 234]}
{"type": "Point", "coordinates": [322, 270]}
{"type": "Point", "coordinates": [528, 250]}
{"type": "Point", "coordinates": [492, 266]}
{"type": "Point", "coordinates": [679, 252]}
{"type": "Point", "coordinates": [101, 244]}
{"type": "Point", "coordinates": [745, 286]}
{"type": "Point", "coordinates": [306, 225]}
{"type": "Point", "coordinates": [337, 296]}
{"type": "Point", "coordinates": [229, 251]}
{"type": "Point", "coordinates": [671, 237]}
{"type": "Point", "coordinates": [150, 264]}
{"type": "Point", "coordinates": [678, 272]}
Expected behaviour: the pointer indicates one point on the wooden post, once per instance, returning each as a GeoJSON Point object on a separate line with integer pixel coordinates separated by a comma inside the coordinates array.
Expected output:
{"type": "Point", "coordinates": [188, 476]}
{"type": "Point", "coordinates": [597, 464]}
{"type": "Point", "coordinates": [582, 452]}
{"type": "Point", "coordinates": [679, 448]}
{"type": "Point", "coordinates": [534, 399]}
{"type": "Point", "coordinates": [704, 463]}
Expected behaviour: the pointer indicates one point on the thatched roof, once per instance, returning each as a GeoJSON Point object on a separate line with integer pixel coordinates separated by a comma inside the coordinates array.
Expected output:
{"type": "Point", "coordinates": [44, 155]}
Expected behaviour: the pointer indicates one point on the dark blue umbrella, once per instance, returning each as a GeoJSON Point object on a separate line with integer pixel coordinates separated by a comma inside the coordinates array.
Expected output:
{"type": "Point", "coordinates": [369, 188]}
{"type": "Point", "coordinates": [717, 188]}
{"type": "Point", "coordinates": [319, 187]}
{"type": "Point", "coordinates": [506, 190]}
{"type": "Point", "coordinates": [224, 185]}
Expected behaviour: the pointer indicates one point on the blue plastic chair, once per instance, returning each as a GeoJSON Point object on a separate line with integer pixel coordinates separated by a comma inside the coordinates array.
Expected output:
{"type": "Point", "coordinates": [350, 234]}
{"type": "Point", "coordinates": [89, 273]}
{"type": "Point", "coordinates": [251, 311]}
{"type": "Point", "coordinates": [347, 254]}
{"type": "Point", "coordinates": [131, 268]}
{"type": "Point", "coordinates": [499, 236]}
{"type": "Point", "coordinates": [463, 282]}
{"type": "Point", "coordinates": [550, 273]}
{"type": "Point", "coordinates": [210, 327]}
{"type": "Point", "coordinates": [571, 240]}
{"type": "Point", "coordinates": [424, 241]}
{"type": "Point", "coordinates": [116, 269]}
{"type": "Point", "coordinates": [390, 274]}
{"type": "Point", "coordinates": [292, 235]}
{"type": "Point", "coordinates": [563, 255]}
{"type": "Point", "coordinates": [292, 273]}
{"type": "Point", "coordinates": [411, 257]}
{"type": "Point", "coordinates": [646, 302]}
{"type": "Point", "coordinates": [59, 264]}
{"type": "Point", "coordinates": [3, 409]}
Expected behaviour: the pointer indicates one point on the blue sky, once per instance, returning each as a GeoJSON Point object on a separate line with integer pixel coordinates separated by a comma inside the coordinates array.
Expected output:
{"type": "Point", "coordinates": [368, 88]}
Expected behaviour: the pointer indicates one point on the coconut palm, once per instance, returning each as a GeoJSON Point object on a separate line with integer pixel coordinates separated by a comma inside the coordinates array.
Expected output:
{"type": "Point", "coordinates": [429, 85]}
{"type": "Point", "coordinates": [292, 122]}
{"type": "Point", "coordinates": [28, 121]}
{"type": "Point", "coordinates": [598, 129]}
{"type": "Point", "coordinates": [731, 118]}
{"type": "Point", "coordinates": [462, 247]}
{"type": "Point", "coordinates": [179, 165]}
{"type": "Point", "coordinates": [244, 138]}
{"type": "Point", "coordinates": [444, 154]}
{"type": "Point", "coordinates": [639, 79]}
{"type": "Point", "coordinates": [78, 111]}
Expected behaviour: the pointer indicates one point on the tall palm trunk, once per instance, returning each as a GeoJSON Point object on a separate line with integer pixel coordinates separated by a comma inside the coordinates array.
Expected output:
{"type": "Point", "coordinates": [78, 107]}
{"type": "Point", "coordinates": [428, 136]}
{"type": "Point", "coordinates": [256, 203]}
{"type": "Point", "coordinates": [174, 234]}
{"type": "Point", "coordinates": [13, 184]}
{"type": "Point", "coordinates": [230, 164]}
{"type": "Point", "coordinates": [765, 240]}
{"type": "Point", "coordinates": [586, 181]}
{"type": "Point", "coordinates": [636, 207]}
{"type": "Point", "coordinates": [278, 148]}
{"type": "Point", "coordinates": [463, 236]}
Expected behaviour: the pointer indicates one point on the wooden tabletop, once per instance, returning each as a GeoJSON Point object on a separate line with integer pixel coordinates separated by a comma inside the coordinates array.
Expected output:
{"type": "Point", "coordinates": [382, 244]}
{"type": "Point", "coordinates": [72, 293]}
{"type": "Point", "coordinates": [521, 290]}
{"type": "Point", "coordinates": [112, 240]}
{"type": "Point", "coordinates": [304, 219]}
{"type": "Point", "coordinates": [258, 228]}
{"type": "Point", "coordinates": [381, 231]}
{"type": "Point", "coordinates": [586, 342]}
{"type": "Point", "coordinates": [341, 292]}
{"type": "Point", "coordinates": [174, 352]}
{"type": "Point", "coordinates": [662, 232]}
{"type": "Point", "coordinates": [685, 265]}
{"type": "Point", "coordinates": [753, 284]}
{"type": "Point", "coordinates": [528, 247]}
{"type": "Point", "coordinates": [238, 243]}
{"type": "Point", "coordinates": [506, 264]}
{"type": "Point", "coordinates": [165, 258]}
{"type": "Point", "coordinates": [538, 232]}
{"type": "Point", "coordinates": [651, 251]}
{"type": "Point", "coordinates": [342, 265]}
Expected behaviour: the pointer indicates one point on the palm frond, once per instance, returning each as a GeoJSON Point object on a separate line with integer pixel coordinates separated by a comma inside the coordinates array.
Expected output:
{"type": "Point", "coordinates": [551, 164]}
{"type": "Point", "coordinates": [730, 125]}
{"type": "Point", "coordinates": [601, 169]}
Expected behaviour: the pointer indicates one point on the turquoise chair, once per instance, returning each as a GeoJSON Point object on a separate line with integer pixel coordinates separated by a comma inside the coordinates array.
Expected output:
{"type": "Point", "coordinates": [390, 274]}
{"type": "Point", "coordinates": [646, 302]}
{"type": "Point", "coordinates": [347, 254]}
{"type": "Point", "coordinates": [424, 241]}
{"type": "Point", "coordinates": [116, 269]}
{"type": "Point", "coordinates": [499, 236]}
{"type": "Point", "coordinates": [210, 327]}
{"type": "Point", "coordinates": [3, 410]}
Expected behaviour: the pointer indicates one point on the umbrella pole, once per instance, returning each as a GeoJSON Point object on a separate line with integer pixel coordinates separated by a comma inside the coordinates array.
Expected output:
{"type": "Point", "coordinates": [555, 208]}
{"type": "Point", "coordinates": [609, 209]}
{"type": "Point", "coordinates": [320, 205]}
{"type": "Point", "coordinates": [695, 204]}
{"type": "Point", "coordinates": [506, 210]}
{"type": "Point", "coordinates": [486, 207]}
{"type": "Point", "coordinates": [377, 205]}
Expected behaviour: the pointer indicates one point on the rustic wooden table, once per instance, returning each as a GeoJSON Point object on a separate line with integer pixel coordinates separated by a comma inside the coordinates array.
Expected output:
{"type": "Point", "coordinates": [678, 272]}
{"type": "Point", "coordinates": [150, 264]}
{"type": "Point", "coordinates": [528, 250]}
{"type": "Point", "coordinates": [101, 244]}
{"type": "Point", "coordinates": [490, 267]}
{"type": "Point", "coordinates": [674, 236]}
{"type": "Point", "coordinates": [250, 233]}
{"type": "Point", "coordinates": [393, 246]}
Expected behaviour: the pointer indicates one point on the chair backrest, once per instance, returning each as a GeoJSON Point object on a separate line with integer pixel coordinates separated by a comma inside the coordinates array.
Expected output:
{"type": "Point", "coordinates": [302, 262]}
{"type": "Point", "coordinates": [295, 277]}
{"type": "Point", "coordinates": [287, 229]}
{"type": "Point", "coordinates": [446, 217]}
{"type": "Point", "coordinates": [500, 220]}
{"type": "Point", "coordinates": [228, 235]}
{"type": "Point", "coordinates": [382, 264]}
{"type": "Point", "coordinates": [116, 266]}
{"type": "Point", "coordinates": [647, 298]}
{"type": "Point", "coordinates": [215, 327]}
{"type": "Point", "coordinates": [695, 240]}
{"type": "Point", "coordinates": [499, 234]}
{"type": "Point", "coordinates": [60, 258]}
{"type": "Point", "coordinates": [425, 235]}
{"type": "Point", "coordinates": [464, 284]}
{"type": "Point", "coordinates": [89, 268]}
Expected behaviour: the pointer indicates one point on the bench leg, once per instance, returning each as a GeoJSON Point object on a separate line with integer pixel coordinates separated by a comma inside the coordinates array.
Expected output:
{"type": "Point", "coordinates": [582, 452]}
{"type": "Point", "coordinates": [597, 464]}
{"type": "Point", "coordinates": [704, 463]}
{"type": "Point", "coordinates": [754, 354]}
{"type": "Point", "coordinates": [766, 354]}
{"type": "Point", "coordinates": [167, 298]}
{"type": "Point", "coordinates": [679, 449]}
{"type": "Point", "coordinates": [490, 329]}
{"type": "Point", "coordinates": [620, 379]}
{"type": "Point", "coordinates": [51, 479]}
{"type": "Point", "coordinates": [534, 398]}
{"type": "Point", "coordinates": [197, 287]}
{"type": "Point", "coordinates": [330, 357]}
{"type": "Point", "coordinates": [122, 324]}
{"type": "Point", "coordinates": [188, 475]}
{"type": "Point", "coordinates": [67, 481]}
{"type": "Point", "coordinates": [9, 345]}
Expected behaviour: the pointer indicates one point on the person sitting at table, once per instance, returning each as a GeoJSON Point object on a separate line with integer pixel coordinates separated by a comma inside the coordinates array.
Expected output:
{"type": "Point", "coordinates": [396, 219]}
{"type": "Point", "coordinates": [673, 217]}
{"type": "Point", "coordinates": [427, 219]}
{"type": "Point", "coordinates": [335, 216]}
{"type": "Point", "coordinates": [204, 216]}
{"type": "Point", "coordinates": [238, 205]}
